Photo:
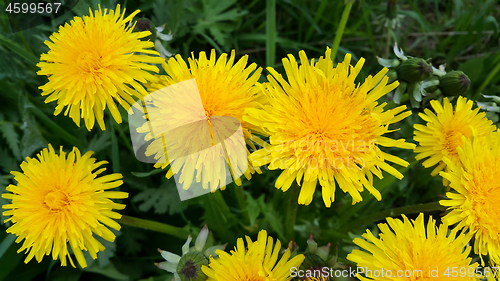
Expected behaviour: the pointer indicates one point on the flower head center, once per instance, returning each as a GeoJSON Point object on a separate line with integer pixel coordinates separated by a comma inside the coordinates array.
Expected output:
{"type": "Point", "coordinates": [88, 62]}
{"type": "Point", "coordinates": [189, 271]}
{"type": "Point", "coordinates": [56, 200]}
{"type": "Point", "coordinates": [453, 139]}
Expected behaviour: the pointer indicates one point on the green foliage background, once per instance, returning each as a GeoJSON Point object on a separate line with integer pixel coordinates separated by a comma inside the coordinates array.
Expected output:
{"type": "Point", "coordinates": [462, 34]}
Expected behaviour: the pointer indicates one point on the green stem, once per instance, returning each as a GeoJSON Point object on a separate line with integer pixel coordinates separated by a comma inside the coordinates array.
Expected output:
{"type": "Point", "coordinates": [388, 42]}
{"type": "Point", "coordinates": [270, 32]}
{"type": "Point", "coordinates": [154, 226]}
{"type": "Point", "coordinates": [367, 220]}
{"type": "Point", "coordinates": [340, 30]}
{"type": "Point", "coordinates": [291, 213]}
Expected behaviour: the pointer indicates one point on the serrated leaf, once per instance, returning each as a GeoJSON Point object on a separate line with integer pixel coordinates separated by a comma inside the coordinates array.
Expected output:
{"type": "Point", "coordinates": [253, 209]}
{"type": "Point", "coordinates": [12, 137]}
{"type": "Point", "coordinates": [132, 239]}
{"type": "Point", "coordinates": [99, 142]}
{"type": "Point", "coordinates": [272, 217]}
{"type": "Point", "coordinates": [163, 199]}
{"type": "Point", "coordinates": [32, 139]}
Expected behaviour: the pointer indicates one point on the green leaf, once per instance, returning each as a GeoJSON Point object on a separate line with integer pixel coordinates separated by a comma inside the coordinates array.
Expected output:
{"type": "Point", "coordinates": [163, 199]}
{"type": "Point", "coordinates": [8, 163]}
{"type": "Point", "coordinates": [12, 137]}
{"type": "Point", "coordinates": [66, 274]}
{"type": "Point", "coordinates": [217, 215]}
{"type": "Point", "coordinates": [253, 208]}
{"type": "Point", "coordinates": [3, 189]}
{"type": "Point", "coordinates": [32, 140]}
{"type": "Point", "coordinates": [271, 216]}
{"type": "Point", "coordinates": [14, 47]}
{"type": "Point", "coordinates": [115, 154]}
{"type": "Point", "coordinates": [147, 174]}
{"type": "Point", "coordinates": [9, 258]}
{"type": "Point", "coordinates": [108, 271]}
{"type": "Point", "coordinates": [99, 142]}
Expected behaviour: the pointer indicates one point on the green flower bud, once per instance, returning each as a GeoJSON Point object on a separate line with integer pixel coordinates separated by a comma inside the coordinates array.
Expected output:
{"type": "Point", "coordinates": [454, 83]}
{"type": "Point", "coordinates": [189, 268]}
{"type": "Point", "coordinates": [146, 25]}
{"type": "Point", "coordinates": [414, 70]}
{"type": "Point", "coordinates": [392, 9]}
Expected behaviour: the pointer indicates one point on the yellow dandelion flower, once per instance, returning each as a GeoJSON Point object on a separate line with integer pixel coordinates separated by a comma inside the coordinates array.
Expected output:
{"type": "Point", "coordinates": [257, 262]}
{"type": "Point", "coordinates": [414, 251]}
{"type": "Point", "coordinates": [323, 127]}
{"type": "Point", "coordinates": [93, 62]}
{"type": "Point", "coordinates": [221, 89]}
{"type": "Point", "coordinates": [59, 199]}
{"type": "Point", "coordinates": [475, 205]}
{"type": "Point", "coordinates": [442, 134]}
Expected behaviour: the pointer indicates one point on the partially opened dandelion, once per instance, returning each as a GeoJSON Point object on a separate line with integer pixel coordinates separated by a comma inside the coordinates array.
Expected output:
{"type": "Point", "coordinates": [59, 199]}
{"type": "Point", "coordinates": [474, 203]}
{"type": "Point", "coordinates": [322, 127]}
{"type": "Point", "coordinates": [257, 261]}
{"type": "Point", "coordinates": [413, 250]}
{"type": "Point", "coordinates": [93, 62]}
{"type": "Point", "coordinates": [442, 134]}
{"type": "Point", "coordinates": [194, 108]}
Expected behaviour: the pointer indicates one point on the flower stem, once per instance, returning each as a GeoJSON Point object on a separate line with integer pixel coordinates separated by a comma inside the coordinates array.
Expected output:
{"type": "Point", "coordinates": [434, 206]}
{"type": "Point", "coordinates": [270, 32]}
{"type": "Point", "coordinates": [388, 42]}
{"type": "Point", "coordinates": [154, 226]}
{"type": "Point", "coordinates": [340, 29]}
{"type": "Point", "coordinates": [291, 214]}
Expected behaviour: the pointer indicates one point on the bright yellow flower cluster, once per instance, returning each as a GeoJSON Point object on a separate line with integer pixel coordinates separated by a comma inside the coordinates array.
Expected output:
{"type": "Point", "coordinates": [258, 261]}
{"type": "Point", "coordinates": [324, 128]}
{"type": "Point", "coordinates": [59, 199]}
{"type": "Point", "coordinates": [94, 62]}
{"type": "Point", "coordinates": [413, 250]}
{"type": "Point", "coordinates": [465, 145]}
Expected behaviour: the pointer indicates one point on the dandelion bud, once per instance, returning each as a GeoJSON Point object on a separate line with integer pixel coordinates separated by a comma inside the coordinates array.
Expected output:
{"type": "Point", "coordinates": [454, 83]}
{"type": "Point", "coordinates": [392, 9]}
{"type": "Point", "coordinates": [414, 70]}
{"type": "Point", "coordinates": [146, 25]}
